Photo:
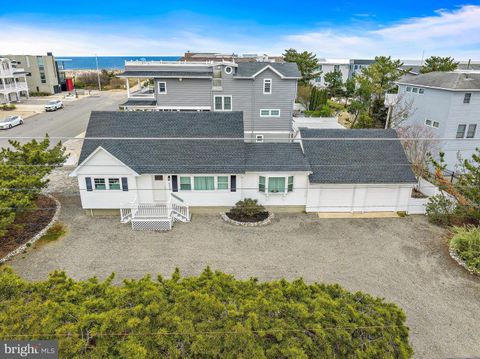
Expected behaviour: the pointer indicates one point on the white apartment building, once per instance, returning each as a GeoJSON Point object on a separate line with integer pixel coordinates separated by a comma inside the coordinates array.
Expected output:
{"type": "Point", "coordinates": [13, 82]}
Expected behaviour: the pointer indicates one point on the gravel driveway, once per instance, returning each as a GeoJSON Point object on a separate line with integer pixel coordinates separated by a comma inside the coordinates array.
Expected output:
{"type": "Point", "coordinates": [401, 259]}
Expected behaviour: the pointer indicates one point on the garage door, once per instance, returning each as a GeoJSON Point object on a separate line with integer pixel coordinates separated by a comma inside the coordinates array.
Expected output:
{"type": "Point", "coordinates": [334, 200]}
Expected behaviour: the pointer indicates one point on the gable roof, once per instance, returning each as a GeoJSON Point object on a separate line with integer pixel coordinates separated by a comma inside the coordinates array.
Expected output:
{"type": "Point", "coordinates": [284, 69]}
{"type": "Point", "coordinates": [340, 157]}
{"type": "Point", "coordinates": [455, 81]}
{"type": "Point", "coordinates": [169, 142]}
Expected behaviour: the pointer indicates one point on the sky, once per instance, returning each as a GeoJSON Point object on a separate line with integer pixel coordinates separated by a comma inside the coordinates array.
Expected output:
{"type": "Point", "coordinates": [337, 29]}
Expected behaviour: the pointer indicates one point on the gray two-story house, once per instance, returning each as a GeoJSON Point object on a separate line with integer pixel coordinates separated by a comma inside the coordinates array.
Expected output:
{"type": "Point", "coordinates": [263, 91]}
{"type": "Point", "coordinates": [448, 103]}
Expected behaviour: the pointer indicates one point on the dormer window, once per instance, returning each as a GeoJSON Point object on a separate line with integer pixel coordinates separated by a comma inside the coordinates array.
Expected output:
{"type": "Point", "coordinates": [267, 86]}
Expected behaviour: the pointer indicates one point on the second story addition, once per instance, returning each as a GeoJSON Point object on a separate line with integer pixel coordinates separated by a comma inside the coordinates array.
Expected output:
{"type": "Point", "coordinates": [263, 91]}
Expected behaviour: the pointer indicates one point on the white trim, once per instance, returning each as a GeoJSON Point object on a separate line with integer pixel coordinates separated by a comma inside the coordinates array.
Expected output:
{"type": "Point", "coordinates": [436, 87]}
{"type": "Point", "coordinates": [223, 103]}
{"type": "Point", "coordinates": [271, 68]}
{"type": "Point", "coordinates": [270, 112]}
{"type": "Point", "coordinates": [160, 92]}
{"type": "Point", "coordinates": [75, 171]}
{"type": "Point", "coordinates": [259, 138]}
{"type": "Point", "coordinates": [265, 81]}
{"type": "Point", "coordinates": [229, 71]}
{"type": "Point", "coordinates": [266, 131]}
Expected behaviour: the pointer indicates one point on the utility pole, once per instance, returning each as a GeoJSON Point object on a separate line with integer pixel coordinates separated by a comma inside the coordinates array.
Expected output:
{"type": "Point", "coordinates": [98, 74]}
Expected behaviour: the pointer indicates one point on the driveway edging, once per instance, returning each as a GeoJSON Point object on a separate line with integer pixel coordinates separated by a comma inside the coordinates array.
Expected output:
{"type": "Point", "coordinates": [39, 235]}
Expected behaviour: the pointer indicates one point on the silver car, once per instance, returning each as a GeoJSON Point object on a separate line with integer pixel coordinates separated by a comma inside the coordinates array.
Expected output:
{"type": "Point", "coordinates": [53, 105]}
{"type": "Point", "coordinates": [10, 121]}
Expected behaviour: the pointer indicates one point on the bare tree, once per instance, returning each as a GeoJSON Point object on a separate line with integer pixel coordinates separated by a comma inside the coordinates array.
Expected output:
{"type": "Point", "coordinates": [418, 141]}
{"type": "Point", "coordinates": [399, 109]}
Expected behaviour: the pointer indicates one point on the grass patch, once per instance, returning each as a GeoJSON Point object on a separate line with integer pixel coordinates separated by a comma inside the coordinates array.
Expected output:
{"type": "Point", "coordinates": [54, 232]}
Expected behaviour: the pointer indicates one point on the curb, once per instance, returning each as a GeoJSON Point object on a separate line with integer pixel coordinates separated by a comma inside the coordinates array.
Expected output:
{"type": "Point", "coordinates": [460, 261]}
{"type": "Point", "coordinates": [39, 235]}
{"type": "Point", "coordinates": [266, 221]}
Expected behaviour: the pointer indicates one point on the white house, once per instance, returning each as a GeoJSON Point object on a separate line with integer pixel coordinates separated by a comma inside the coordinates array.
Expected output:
{"type": "Point", "coordinates": [13, 81]}
{"type": "Point", "coordinates": [448, 103]}
{"type": "Point", "coordinates": [154, 168]}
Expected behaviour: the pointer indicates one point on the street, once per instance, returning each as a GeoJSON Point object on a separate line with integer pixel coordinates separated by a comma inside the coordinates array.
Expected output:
{"type": "Point", "coordinates": [69, 121]}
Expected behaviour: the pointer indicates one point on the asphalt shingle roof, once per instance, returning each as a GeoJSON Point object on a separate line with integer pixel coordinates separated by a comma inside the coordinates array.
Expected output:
{"type": "Point", "coordinates": [445, 80]}
{"type": "Point", "coordinates": [160, 74]}
{"type": "Point", "coordinates": [275, 157]}
{"type": "Point", "coordinates": [287, 69]}
{"type": "Point", "coordinates": [337, 159]}
{"type": "Point", "coordinates": [139, 103]}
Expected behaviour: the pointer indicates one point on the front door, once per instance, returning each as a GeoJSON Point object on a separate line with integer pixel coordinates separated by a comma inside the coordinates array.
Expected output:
{"type": "Point", "coordinates": [160, 188]}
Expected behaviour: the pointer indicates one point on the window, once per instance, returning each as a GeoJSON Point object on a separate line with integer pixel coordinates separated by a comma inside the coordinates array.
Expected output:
{"type": "Point", "coordinates": [158, 177]}
{"type": "Point", "coordinates": [336, 67]}
{"type": "Point", "coordinates": [223, 103]}
{"type": "Point", "coordinates": [99, 183]}
{"type": "Point", "coordinates": [222, 182]}
{"type": "Point", "coordinates": [409, 89]}
{"type": "Point", "coordinates": [428, 122]}
{"type": "Point", "coordinates": [290, 184]}
{"type": "Point", "coordinates": [259, 138]}
{"type": "Point", "coordinates": [471, 130]}
{"type": "Point", "coordinates": [319, 68]}
{"type": "Point", "coordinates": [162, 87]}
{"type": "Point", "coordinates": [228, 70]}
{"type": "Point", "coordinates": [436, 124]}
{"type": "Point", "coordinates": [269, 113]}
{"type": "Point", "coordinates": [114, 183]}
{"type": "Point", "coordinates": [267, 86]}
{"type": "Point", "coordinates": [276, 184]}
{"type": "Point", "coordinates": [421, 91]}
{"type": "Point", "coordinates": [204, 183]}
{"type": "Point", "coordinates": [261, 184]}
{"type": "Point", "coordinates": [461, 131]}
{"type": "Point", "coordinates": [318, 79]}
{"type": "Point", "coordinates": [415, 90]}
{"type": "Point", "coordinates": [185, 183]}
{"type": "Point", "coordinates": [467, 97]}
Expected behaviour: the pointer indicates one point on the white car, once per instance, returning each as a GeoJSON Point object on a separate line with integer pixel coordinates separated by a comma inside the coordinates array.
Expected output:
{"type": "Point", "coordinates": [53, 105]}
{"type": "Point", "coordinates": [10, 121]}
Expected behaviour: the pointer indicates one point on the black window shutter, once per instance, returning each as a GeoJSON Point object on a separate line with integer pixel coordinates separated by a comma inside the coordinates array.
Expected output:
{"type": "Point", "coordinates": [88, 182]}
{"type": "Point", "coordinates": [124, 183]}
{"type": "Point", "coordinates": [175, 183]}
{"type": "Point", "coordinates": [233, 183]}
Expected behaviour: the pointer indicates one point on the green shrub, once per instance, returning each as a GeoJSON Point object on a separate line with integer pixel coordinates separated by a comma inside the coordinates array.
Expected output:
{"type": "Point", "coordinates": [335, 105]}
{"type": "Point", "coordinates": [440, 210]}
{"type": "Point", "coordinates": [364, 121]}
{"type": "Point", "coordinates": [212, 315]}
{"type": "Point", "coordinates": [325, 111]}
{"type": "Point", "coordinates": [466, 243]}
{"type": "Point", "coordinates": [248, 210]}
{"type": "Point", "coordinates": [8, 107]}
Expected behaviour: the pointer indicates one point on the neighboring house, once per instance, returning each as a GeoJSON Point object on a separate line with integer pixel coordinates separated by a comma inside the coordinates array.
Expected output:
{"type": "Point", "coordinates": [43, 70]}
{"type": "Point", "coordinates": [215, 56]}
{"type": "Point", "coordinates": [13, 81]}
{"type": "Point", "coordinates": [156, 167]}
{"type": "Point", "coordinates": [329, 65]}
{"type": "Point", "coordinates": [265, 92]}
{"type": "Point", "coordinates": [448, 103]}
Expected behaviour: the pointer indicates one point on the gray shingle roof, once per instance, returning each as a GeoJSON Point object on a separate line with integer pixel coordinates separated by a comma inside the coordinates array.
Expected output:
{"type": "Point", "coordinates": [275, 157]}
{"type": "Point", "coordinates": [445, 80]}
{"type": "Point", "coordinates": [164, 74]}
{"type": "Point", "coordinates": [340, 160]}
{"type": "Point", "coordinates": [167, 155]}
{"type": "Point", "coordinates": [248, 69]}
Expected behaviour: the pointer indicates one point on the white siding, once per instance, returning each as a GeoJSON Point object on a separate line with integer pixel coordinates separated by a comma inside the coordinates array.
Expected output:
{"type": "Point", "coordinates": [358, 198]}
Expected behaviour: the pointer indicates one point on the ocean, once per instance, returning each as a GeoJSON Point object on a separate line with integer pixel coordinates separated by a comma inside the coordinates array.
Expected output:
{"type": "Point", "coordinates": [106, 62]}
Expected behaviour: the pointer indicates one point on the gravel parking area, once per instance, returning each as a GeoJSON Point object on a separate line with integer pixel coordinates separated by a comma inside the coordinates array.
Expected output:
{"type": "Point", "coordinates": [404, 260]}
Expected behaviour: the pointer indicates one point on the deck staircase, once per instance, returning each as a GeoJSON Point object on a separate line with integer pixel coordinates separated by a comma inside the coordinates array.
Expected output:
{"type": "Point", "coordinates": [156, 216]}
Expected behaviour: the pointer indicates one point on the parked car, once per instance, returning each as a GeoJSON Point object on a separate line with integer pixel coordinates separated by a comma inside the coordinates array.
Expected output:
{"type": "Point", "coordinates": [53, 105]}
{"type": "Point", "coordinates": [10, 121]}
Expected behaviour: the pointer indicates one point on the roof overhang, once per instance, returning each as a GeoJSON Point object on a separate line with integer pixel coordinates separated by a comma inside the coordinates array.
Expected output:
{"type": "Point", "coordinates": [436, 87]}
{"type": "Point", "coordinates": [269, 68]}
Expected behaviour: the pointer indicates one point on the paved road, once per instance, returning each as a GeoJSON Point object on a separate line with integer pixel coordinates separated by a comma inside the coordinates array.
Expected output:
{"type": "Point", "coordinates": [70, 121]}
